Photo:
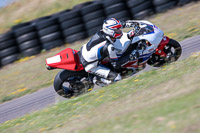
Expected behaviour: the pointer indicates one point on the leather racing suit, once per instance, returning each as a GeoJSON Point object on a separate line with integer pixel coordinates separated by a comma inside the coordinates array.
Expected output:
{"type": "Point", "coordinates": [98, 48]}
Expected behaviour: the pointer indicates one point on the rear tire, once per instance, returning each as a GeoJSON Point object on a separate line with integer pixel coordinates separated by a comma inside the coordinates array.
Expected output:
{"type": "Point", "coordinates": [64, 80]}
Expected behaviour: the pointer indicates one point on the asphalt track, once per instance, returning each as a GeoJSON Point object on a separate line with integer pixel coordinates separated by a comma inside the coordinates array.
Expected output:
{"type": "Point", "coordinates": [47, 97]}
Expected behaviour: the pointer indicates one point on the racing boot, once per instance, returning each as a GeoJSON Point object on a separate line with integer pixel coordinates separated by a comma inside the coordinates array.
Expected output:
{"type": "Point", "coordinates": [101, 81]}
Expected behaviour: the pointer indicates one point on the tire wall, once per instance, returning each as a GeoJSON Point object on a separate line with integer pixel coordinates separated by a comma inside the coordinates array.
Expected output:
{"type": "Point", "coordinates": [70, 25]}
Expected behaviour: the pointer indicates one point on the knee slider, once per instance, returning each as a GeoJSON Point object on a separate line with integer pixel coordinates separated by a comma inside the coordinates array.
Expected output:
{"type": "Point", "coordinates": [114, 76]}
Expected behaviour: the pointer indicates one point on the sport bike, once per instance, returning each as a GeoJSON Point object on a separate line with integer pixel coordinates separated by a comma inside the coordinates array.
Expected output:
{"type": "Point", "coordinates": [148, 46]}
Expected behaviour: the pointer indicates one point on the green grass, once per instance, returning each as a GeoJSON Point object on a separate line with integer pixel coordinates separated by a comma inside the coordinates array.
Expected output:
{"type": "Point", "coordinates": [27, 10]}
{"type": "Point", "coordinates": [170, 116]}
{"type": "Point", "coordinates": [181, 23]}
{"type": "Point", "coordinates": [164, 100]}
{"type": "Point", "coordinates": [30, 73]}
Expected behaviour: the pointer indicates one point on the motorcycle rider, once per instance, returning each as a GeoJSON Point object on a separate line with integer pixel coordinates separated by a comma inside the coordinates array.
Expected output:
{"type": "Point", "coordinates": [100, 47]}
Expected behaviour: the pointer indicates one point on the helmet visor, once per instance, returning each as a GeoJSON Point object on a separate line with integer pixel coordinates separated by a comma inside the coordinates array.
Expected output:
{"type": "Point", "coordinates": [117, 33]}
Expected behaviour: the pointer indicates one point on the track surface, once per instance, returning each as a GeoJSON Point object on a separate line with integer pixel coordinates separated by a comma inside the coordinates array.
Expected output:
{"type": "Point", "coordinates": [46, 97]}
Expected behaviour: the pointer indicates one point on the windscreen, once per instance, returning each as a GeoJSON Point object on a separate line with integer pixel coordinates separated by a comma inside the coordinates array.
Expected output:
{"type": "Point", "coordinates": [145, 29]}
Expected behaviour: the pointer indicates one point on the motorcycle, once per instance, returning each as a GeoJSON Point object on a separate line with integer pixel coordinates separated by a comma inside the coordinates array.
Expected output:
{"type": "Point", "coordinates": [148, 46]}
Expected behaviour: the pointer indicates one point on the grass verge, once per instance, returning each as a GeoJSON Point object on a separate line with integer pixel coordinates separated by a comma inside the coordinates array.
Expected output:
{"type": "Point", "coordinates": [27, 10]}
{"type": "Point", "coordinates": [163, 100]}
{"type": "Point", "coordinates": [30, 73]}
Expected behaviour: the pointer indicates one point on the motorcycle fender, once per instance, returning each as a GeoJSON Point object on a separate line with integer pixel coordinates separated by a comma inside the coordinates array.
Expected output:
{"type": "Point", "coordinates": [163, 43]}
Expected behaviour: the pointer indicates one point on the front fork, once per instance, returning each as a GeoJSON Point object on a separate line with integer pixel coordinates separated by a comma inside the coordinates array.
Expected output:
{"type": "Point", "coordinates": [161, 46]}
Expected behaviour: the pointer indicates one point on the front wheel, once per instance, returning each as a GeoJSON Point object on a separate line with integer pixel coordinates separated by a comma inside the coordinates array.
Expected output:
{"type": "Point", "coordinates": [173, 51]}
{"type": "Point", "coordinates": [71, 83]}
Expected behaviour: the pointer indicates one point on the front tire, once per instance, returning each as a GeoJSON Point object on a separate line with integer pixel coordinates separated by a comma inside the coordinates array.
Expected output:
{"type": "Point", "coordinates": [66, 83]}
{"type": "Point", "coordinates": [173, 51]}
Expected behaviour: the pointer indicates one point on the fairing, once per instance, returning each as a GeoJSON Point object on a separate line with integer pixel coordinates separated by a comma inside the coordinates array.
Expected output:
{"type": "Point", "coordinates": [148, 32]}
{"type": "Point", "coordinates": [163, 43]}
{"type": "Point", "coordinates": [66, 59]}
{"type": "Point", "coordinates": [154, 36]}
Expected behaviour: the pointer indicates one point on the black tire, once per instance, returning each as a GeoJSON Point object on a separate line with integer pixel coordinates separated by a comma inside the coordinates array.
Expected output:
{"type": "Point", "coordinates": [75, 37]}
{"type": "Point", "coordinates": [29, 44]}
{"type": "Point", "coordinates": [57, 14]}
{"type": "Point", "coordinates": [143, 14]}
{"type": "Point", "coordinates": [24, 30]}
{"type": "Point", "coordinates": [69, 15]}
{"type": "Point", "coordinates": [6, 36]}
{"type": "Point", "coordinates": [46, 23]}
{"type": "Point", "coordinates": [120, 15]}
{"type": "Point", "coordinates": [124, 19]}
{"type": "Point", "coordinates": [165, 7]}
{"type": "Point", "coordinates": [94, 15]}
{"type": "Point", "coordinates": [71, 22]}
{"type": "Point", "coordinates": [53, 44]}
{"type": "Point", "coordinates": [19, 26]}
{"type": "Point", "coordinates": [74, 30]}
{"type": "Point", "coordinates": [27, 37]}
{"type": "Point", "coordinates": [115, 8]}
{"type": "Point", "coordinates": [51, 37]}
{"type": "Point", "coordinates": [8, 51]}
{"type": "Point", "coordinates": [9, 59]}
{"type": "Point", "coordinates": [160, 2]}
{"type": "Point", "coordinates": [183, 2]}
{"type": "Point", "coordinates": [79, 6]}
{"type": "Point", "coordinates": [134, 3]}
{"type": "Point", "coordinates": [94, 23]}
{"type": "Point", "coordinates": [49, 30]}
{"type": "Point", "coordinates": [91, 8]}
{"type": "Point", "coordinates": [141, 7]}
{"type": "Point", "coordinates": [64, 76]}
{"type": "Point", "coordinates": [31, 51]}
{"type": "Point", "coordinates": [92, 31]}
{"type": "Point", "coordinates": [36, 21]}
{"type": "Point", "coordinates": [7, 44]}
{"type": "Point", "coordinates": [107, 3]}
{"type": "Point", "coordinates": [157, 61]}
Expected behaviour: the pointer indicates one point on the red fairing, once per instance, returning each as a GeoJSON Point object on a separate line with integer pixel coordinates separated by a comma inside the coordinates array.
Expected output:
{"type": "Point", "coordinates": [163, 43]}
{"type": "Point", "coordinates": [66, 59]}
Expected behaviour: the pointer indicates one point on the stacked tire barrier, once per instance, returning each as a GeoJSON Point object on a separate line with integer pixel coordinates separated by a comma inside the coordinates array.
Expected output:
{"type": "Point", "coordinates": [183, 2]}
{"type": "Point", "coordinates": [70, 25]}
{"type": "Point", "coordinates": [8, 48]}
{"type": "Point", "coordinates": [49, 32]}
{"type": "Point", "coordinates": [164, 5]}
{"type": "Point", "coordinates": [116, 9]}
{"type": "Point", "coordinates": [140, 8]}
{"type": "Point", "coordinates": [27, 39]}
{"type": "Point", "coordinates": [93, 16]}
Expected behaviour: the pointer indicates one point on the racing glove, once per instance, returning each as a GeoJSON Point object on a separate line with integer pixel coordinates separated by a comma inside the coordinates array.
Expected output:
{"type": "Point", "coordinates": [131, 34]}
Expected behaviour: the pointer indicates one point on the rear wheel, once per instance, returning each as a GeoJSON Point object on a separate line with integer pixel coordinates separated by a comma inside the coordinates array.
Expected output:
{"type": "Point", "coordinates": [173, 51]}
{"type": "Point", "coordinates": [71, 83]}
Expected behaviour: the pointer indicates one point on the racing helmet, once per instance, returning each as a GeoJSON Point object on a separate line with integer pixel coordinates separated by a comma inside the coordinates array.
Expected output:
{"type": "Point", "coordinates": [112, 28]}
